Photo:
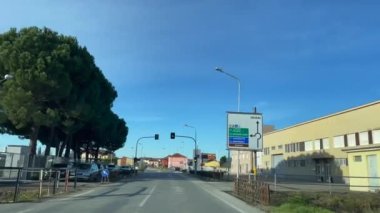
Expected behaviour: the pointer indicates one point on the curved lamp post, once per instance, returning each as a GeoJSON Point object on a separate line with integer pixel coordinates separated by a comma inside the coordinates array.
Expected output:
{"type": "Point", "coordinates": [219, 69]}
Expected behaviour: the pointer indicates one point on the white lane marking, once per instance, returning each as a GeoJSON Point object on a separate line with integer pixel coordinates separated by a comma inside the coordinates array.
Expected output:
{"type": "Point", "coordinates": [77, 195]}
{"type": "Point", "coordinates": [224, 201]}
{"type": "Point", "coordinates": [147, 197]}
{"type": "Point", "coordinates": [24, 211]}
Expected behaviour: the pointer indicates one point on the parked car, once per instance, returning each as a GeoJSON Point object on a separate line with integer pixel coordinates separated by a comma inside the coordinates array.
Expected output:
{"type": "Point", "coordinates": [60, 168]}
{"type": "Point", "coordinates": [86, 171]}
{"type": "Point", "coordinates": [126, 170]}
{"type": "Point", "coordinates": [113, 169]}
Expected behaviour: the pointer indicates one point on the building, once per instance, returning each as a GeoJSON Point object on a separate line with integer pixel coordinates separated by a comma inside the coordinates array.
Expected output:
{"type": "Point", "coordinates": [330, 148]}
{"type": "Point", "coordinates": [102, 155]}
{"type": "Point", "coordinates": [175, 161]}
{"type": "Point", "coordinates": [152, 162]}
{"type": "Point", "coordinates": [125, 161]}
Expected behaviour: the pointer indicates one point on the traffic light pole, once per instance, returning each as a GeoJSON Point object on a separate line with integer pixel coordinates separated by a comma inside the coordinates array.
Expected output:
{"type": "Point", "coordinates": [195, 142]}
{"type": "Point", "coordinates": [137, 143]}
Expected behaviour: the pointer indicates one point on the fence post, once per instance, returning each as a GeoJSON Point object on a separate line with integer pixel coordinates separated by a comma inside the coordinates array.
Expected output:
{"type": "Point", "coordinates": [275, 182]}
{"type": "Point", "coordinates": [41, 175]}
{"type": "Point", "coordinates": [66, 179]}
{"type": "Point", "coordinates": [55, 181]}
{"type": "Point", "coordinates": [17, 185]}
{"type": "Point", "coordinates": [330, 178]}
{"type": "Point", "coordinates": [75, 179]}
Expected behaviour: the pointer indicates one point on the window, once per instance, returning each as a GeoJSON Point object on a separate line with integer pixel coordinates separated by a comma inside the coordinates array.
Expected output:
{"type": "Point", "coordinates": [363, 138]}
{"type": "Point", "coordinates": [358, 158]}
{"type": "Point", "coordinates": [317, 145]}
{"type": "Point", "coordinates": [292, 147]}
{"type": "Point", "coordinates": [325, 143]}
{"type": "Point", "coordinates": [273, 147]}
{"type": "Point", "coordinates": [297, 147]}
{"type": "Point", "coordinates": [286, 147]}
{"type": "Point", "coordinates": [341, 161]}
{"type": "Point", "coordinates": [351, 140]}
{"type": "Point", "coordinates": [266, 151]}
{"type": "Point", "coordinates": [376, 136]}
{"type": "Point", "coordinates": [309, 146]}
{"type": "Point", "coordinates": [302, 146]}
{"type": "Point", "coordinates": [279, 147]}
{"type": "Point", "coordinates": [339, 141]}
{"type": "Point", "coordinates": [302, 163]}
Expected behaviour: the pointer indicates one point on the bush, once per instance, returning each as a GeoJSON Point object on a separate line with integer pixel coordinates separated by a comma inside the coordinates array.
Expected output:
{"type": "Point", "coordinates": [358, 202]}
{"type": "Point", "coordinates": [299, 208]}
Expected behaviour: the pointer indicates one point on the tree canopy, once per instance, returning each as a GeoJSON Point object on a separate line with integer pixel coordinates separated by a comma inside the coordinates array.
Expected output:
{"type": "Point", "coordinates": [58, 95]}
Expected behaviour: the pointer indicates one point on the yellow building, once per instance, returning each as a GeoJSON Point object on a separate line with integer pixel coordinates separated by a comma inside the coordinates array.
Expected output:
{"type": "Point", "coordinates": [364, 165]}
{"type": "Point", "coordinates": [328, 146]}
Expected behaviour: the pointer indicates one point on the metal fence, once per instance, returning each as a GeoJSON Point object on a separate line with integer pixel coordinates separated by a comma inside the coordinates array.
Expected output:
{"type": "Point", "coordinates": [19, 184]}
{"type": "Point", "coordinates": [290, 182]}
{"type": "Point", "coordinates": [252, 191]}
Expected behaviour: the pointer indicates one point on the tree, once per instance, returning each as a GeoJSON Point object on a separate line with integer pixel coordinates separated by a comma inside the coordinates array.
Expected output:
{"type": "Point", "coordinates": [35, 57]}
{"type": "Point", "coordinates": [223, 160]}
{"type": "Point", "coordinates": [58, 95]}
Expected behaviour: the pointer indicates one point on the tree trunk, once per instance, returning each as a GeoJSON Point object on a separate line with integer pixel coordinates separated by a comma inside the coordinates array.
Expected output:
{"type": "Point", "coordinates": [87, 150]}
{"type": "Point", "coordinates": [50, 142]}
{"type": "Point", "coordinates": [68, 146]}
{"type": "Point", "coordinates": [33, 141]}
{"type": "Point", "coordinates": [61, 148]}
{"type": "Point", "coordinates": [47, 149]}
{"type": "Point", "coordinates": [97, 154]}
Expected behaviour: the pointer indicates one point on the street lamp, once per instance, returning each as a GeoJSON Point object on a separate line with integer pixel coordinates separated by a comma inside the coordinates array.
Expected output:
{"type": "Point", "coordinates": [6, 77]}
{"type": "Point", "coordinates": [195, 129]}
{"type": "Point", "coordinates": [196, 147]}
{"type": "Point", "coordinates": [219, 69]}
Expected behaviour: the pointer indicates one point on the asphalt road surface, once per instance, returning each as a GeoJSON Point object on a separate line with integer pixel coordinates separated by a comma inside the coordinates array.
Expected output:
{"type": "Point", "coordinates": [152, 191]}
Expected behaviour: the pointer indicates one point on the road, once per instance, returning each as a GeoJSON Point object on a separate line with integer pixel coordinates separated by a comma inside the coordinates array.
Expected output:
{"type": "Point", "coordinates": [152, 191]}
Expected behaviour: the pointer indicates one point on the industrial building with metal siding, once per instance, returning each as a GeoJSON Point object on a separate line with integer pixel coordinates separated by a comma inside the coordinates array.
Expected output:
{"type": "Point", "coordinates": [335, 147]}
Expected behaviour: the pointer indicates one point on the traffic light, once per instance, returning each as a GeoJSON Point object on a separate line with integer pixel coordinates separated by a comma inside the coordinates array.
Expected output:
{"type": "Point", "coordinates": [156, 136]}
{"type": "Point", "coordinates": [135, 160]}
{"type": "Point", "coordinates": [172, 135]}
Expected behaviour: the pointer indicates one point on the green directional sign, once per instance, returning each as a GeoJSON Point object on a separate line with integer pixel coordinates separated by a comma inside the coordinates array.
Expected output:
{"type": "Point", "coordinates": [244, 131]}
{"type": "Point", "coordinates": [238, 137]}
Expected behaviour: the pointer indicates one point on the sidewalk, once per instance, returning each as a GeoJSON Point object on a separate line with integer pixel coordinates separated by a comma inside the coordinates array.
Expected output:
{"type": "Point", "coordinates": [221, 190]}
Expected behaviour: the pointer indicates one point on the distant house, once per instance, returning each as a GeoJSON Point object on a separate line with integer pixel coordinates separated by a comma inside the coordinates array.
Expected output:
{"type": "Point", "coordinates": [165, 162]}
{"type": "Point", "coordinates": [125, 161]}
{"type": "Point", "coordinates": [175, 161]}
{"type": "Point", "coordinates": [102, 155]}
{"type": "Point", "coordinates": [152, 162]}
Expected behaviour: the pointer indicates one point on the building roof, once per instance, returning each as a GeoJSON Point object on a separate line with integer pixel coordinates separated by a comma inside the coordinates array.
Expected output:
{"type": "Point", "coordinates": [325, 117]}
{"type": "Point", "coordinates": [177, 155]}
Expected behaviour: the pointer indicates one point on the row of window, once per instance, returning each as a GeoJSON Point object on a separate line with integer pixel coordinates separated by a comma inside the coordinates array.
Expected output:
{"type": "Point", "coordinates": [309, 162]}
{"type": "Point", "coordinates": [357, 139]}
{"type": "Point", "coordinates": [349, 140]}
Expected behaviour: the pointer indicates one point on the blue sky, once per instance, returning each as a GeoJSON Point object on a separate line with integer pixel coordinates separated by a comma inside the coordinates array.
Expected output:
{"type": "Point", "coordinates": [297, 60]}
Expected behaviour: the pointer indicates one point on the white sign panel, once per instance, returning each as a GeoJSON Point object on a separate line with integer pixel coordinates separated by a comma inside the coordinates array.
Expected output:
{"type": "Point", "coordinates": [244, 131]}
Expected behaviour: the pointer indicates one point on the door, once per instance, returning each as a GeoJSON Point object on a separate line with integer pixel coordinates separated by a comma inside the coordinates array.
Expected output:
{"type": "Point", "coordinates": [373, 181]}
